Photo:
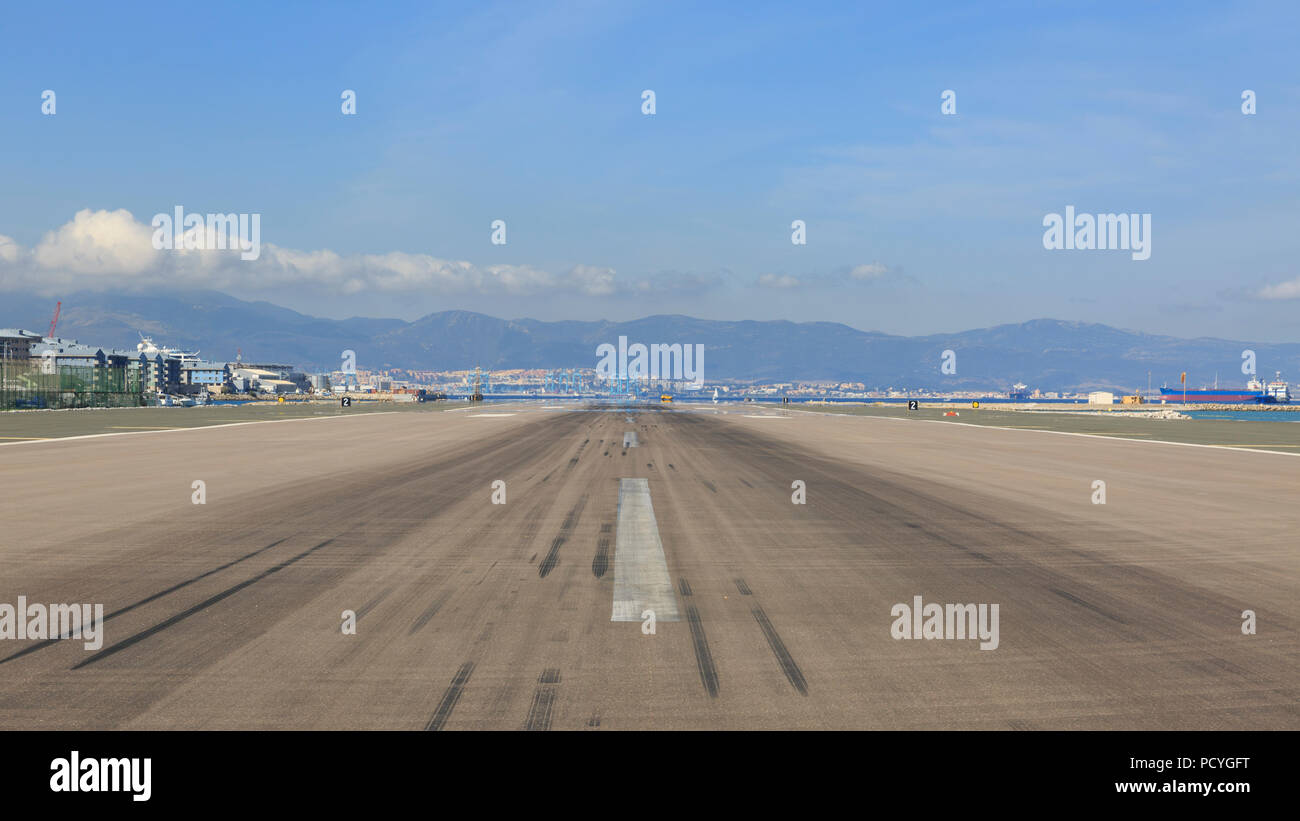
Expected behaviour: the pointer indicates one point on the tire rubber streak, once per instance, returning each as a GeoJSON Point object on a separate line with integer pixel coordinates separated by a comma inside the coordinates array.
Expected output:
{"type": "Point", "coordinates": [783, 657]}
{"type": "Point", "coordinates": [154, 597]}
{"type": "Point", "coordinates": [203, 605]}
{"type": "Point", "coordinates": [450, 697]}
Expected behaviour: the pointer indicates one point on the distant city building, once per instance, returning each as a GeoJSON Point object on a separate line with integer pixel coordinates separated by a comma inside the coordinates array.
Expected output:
{"type": "Point", "coordinates": [163, 372]}
{"type": "Point", "coordinates": [66, 353]}
{"type": "Point", "coordinates": [15, 343]}
{"type": "Point", "coordinates": [276, 386]}
{"type": "Point", "coordinates": [207, 374]}
{"type": "Point", "coordinates": [257, 378]}
{"type": "Point", "coordinates": [280, 371]}
{"type": "Point", "coordinates": [135, 363]}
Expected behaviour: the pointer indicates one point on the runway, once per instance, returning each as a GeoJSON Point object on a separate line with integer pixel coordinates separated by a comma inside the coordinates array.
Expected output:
{"type": "Point", "coordinates": [473, 614]}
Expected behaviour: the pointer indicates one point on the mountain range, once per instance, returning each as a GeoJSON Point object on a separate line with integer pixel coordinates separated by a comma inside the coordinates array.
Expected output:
{"type": "Point", "coordinates": [1048, 354]}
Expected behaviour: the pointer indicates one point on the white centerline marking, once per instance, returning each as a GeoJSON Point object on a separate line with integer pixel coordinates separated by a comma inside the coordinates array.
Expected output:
{"type": "Point", "coordinates": [482, 415]}
{"type": "Point", "coordinates": [641, 580]}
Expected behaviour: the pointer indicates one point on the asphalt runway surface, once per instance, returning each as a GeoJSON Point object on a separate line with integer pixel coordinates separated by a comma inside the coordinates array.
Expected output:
{"type": "Point", "coordinates": [530, 615]}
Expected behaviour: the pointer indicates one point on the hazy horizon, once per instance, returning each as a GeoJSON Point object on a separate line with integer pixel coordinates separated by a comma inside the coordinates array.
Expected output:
{"type": "Point", "coordinates": [38, 322]}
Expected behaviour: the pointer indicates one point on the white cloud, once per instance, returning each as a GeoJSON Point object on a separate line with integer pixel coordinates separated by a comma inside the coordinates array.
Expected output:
{"type": "Point", "coordinates": [679, 283]}
{"type": "Point", "coordinates": [1282, 290]}
{"type": "Point", "coordinates": [97, 243]}
{"type": "Point", "coordinates": [774, 281]}
{"type": "Point", "coordinates": [593, 280]}
{"type": "Point", "coordinates": [102, 249]}
{"type": "Point", "coordinates": [9, 250]}
{"type": "Point", "coordinates": [838, 277]}
{"type": "Point", "coordinates": [874, 270]}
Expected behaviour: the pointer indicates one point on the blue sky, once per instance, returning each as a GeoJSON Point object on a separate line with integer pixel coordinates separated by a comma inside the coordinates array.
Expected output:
{"type": "Point", "coordinates": [766, 113]}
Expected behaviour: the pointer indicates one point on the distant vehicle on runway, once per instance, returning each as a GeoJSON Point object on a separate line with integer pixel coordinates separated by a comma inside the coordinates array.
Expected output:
{"type": "Point", "coordinates": [666, 398]}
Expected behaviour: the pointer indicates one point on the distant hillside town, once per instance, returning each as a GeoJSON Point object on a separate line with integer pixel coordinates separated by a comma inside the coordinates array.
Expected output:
{"type": "Point", "coordinates": [1065, 358]}
{"type": "Point", "coordinates": [1036, 361]}
{"type": "Point", "coordinates": [40, 371]}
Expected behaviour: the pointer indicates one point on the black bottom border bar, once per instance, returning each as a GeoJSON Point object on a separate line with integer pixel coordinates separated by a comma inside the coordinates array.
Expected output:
{"type": "Point", "coordinates": [331, 770]}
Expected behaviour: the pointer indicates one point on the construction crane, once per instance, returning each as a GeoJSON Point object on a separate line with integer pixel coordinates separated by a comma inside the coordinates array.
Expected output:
{"type": "Point", "coordinates": [55, 321]}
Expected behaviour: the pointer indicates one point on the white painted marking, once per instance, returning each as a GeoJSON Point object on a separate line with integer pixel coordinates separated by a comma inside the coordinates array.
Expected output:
{"type": "Point", "coordinates": [629, 439]}
{"type": "Point", "coordinates": [1238, 448]}
{"type": "Point", "coordinates": [763, 416]}
{"type": "Point", "coordinates": [53, 439]}
{"type": "Point", "coordinates": [482, 415]}
{"type": "Point", "coordinates": [641, 580]}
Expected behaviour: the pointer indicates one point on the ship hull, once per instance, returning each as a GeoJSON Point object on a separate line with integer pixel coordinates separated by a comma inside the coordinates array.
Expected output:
{"type": "Point", "coordinates": [1216, 395]}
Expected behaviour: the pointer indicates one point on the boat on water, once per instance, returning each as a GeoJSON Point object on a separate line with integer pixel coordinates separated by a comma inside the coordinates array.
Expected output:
{"type": "Point", "coordinates": [1279, 390]}
{"type": "Point", "coordinates": [1256, 392]}
{"type": "Point", "coordinates": [147, 346]}
{"type": "Point", "coordinates": [1208, 396]}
